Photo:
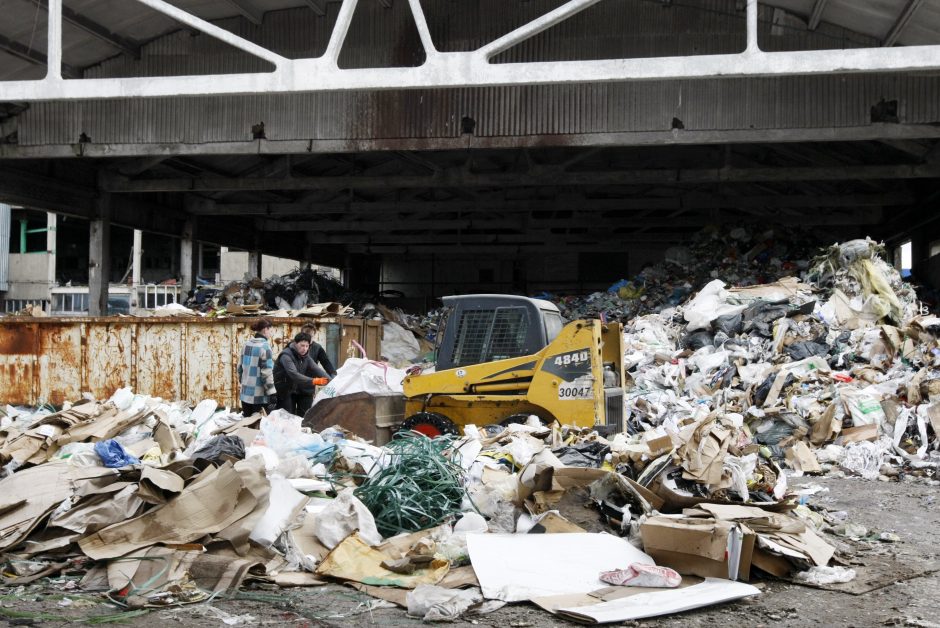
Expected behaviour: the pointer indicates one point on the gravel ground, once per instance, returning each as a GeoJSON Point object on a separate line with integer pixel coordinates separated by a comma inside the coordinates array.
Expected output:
{"type": "Point", "coordinates": [910, 509]}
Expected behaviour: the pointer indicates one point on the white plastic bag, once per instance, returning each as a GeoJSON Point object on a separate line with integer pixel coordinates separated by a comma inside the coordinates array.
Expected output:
{"type": "Point", "coordinates": [709, 304]}
{"type": "Point", "coordinates": [433, 603]}
{"type": "Point", "coordinates": [283, 502]}
{"type": "Point", "coordinates": [359, 375]}
{"type": "Point", "coordinates": [345, 515]}
{"type": "Point", "coordinates": [399, 345]}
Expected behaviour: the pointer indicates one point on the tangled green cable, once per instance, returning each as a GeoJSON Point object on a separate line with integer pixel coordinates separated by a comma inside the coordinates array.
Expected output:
{"type": "Point", "coordinates": [420, 488]}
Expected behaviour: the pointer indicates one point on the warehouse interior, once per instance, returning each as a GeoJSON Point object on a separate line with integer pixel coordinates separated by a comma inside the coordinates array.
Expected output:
{"type": "Point", "coordinates": [521, 188]}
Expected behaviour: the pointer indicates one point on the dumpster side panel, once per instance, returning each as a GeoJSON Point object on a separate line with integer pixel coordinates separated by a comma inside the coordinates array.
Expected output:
{"type": "Point", "coordinates": [160, 360]}
{"type": "Point", "coordinates": [108, 357]}
{"type": "Point", "coordinates": [61, 347]}
{"type": "Point", "coordinates": [18, 348]}
{"type": "Point", "coordinates": [210, 363]}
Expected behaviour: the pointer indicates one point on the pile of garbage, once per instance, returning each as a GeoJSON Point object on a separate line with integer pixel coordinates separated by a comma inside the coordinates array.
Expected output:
{"type": "Point", "coordinates": [157, 504]}
{"type": "Point", "coordinates": [837, 374]}
{"type": "Point", "coordinates": [294, 291]}
{"type": "Point", "coordinates": [744, 256]}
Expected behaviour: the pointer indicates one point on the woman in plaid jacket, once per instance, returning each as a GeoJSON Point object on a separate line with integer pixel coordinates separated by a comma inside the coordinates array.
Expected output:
{"type": "Point", "coordinates": [256, 370]}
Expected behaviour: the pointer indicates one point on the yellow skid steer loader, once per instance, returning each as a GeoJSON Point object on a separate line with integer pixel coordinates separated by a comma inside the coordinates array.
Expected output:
{"type": "Point", "coordinates": [501, 358]}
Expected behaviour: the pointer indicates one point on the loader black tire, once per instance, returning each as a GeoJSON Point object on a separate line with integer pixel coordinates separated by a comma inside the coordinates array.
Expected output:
{"type": "Point", "coordinates": [430, 424]}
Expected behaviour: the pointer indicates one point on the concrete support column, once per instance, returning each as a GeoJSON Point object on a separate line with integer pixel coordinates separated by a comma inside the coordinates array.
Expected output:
{"type": "Point", "coordinates": [51, 248]}
{"type": "Point", "coordinates": [99, 256]}
{"type": "Point", "coordinates": [138, 257]}
{"type": "Point", "coordinates": [308, 253]}
{"type": "Point", "coordinates": [254, 263]}
{"type": "Point", "coordinates": [188, 255]}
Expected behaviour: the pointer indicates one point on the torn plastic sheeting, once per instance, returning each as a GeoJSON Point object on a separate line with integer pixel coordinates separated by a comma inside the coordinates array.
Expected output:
{"type": "Point", "coordinates": [433, 603]}
{"type": "Point", "coordinates": [515, 568]}
{"type": "Point", "coordinates": [657, 603]}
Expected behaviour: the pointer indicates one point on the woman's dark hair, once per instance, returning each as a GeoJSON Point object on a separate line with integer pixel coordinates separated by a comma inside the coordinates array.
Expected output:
{"type": "Point", "coordinates": [302, 337]}
{"type": "Point", "coordinates": [261, 324]}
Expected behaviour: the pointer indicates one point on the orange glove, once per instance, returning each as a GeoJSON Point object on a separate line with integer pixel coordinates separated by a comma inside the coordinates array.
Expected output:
{"type": "Point", "coordinates": [320, 381]}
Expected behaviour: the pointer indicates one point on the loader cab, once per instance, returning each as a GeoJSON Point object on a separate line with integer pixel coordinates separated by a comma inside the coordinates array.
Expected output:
{"type": "Point", "coordinates": [486, 327]}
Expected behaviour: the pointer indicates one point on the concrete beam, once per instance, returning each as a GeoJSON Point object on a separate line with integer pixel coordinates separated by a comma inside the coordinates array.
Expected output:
{"type": "Point", "coordinates": [467, 69]}
{"type": "Point", "coordinates": [380, 229]}
{"type": "Point", "coordinates": [685, 201]}
{"type": "Point", "coordinates": [876, 131]}
{"type": "Point", "coordinates": [536, 177]}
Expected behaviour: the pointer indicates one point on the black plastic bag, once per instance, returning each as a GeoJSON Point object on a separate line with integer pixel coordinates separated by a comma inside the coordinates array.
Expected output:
{"type": "Point", "coordinates": [221, 449]}
{"type": "Point", "coordinates": [802, 350]}
{"type": "Point", "coordinates": [731, 324]}
{"type": "Point", "coordinates": [589, 454]}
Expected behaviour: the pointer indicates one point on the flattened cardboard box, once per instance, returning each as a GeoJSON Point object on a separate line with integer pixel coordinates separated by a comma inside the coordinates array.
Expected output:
{"type": "Point", "coordinates": [696, 546]}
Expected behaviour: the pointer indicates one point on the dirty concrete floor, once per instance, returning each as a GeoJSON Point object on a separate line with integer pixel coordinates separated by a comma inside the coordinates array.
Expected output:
{"type": "Point", "coordinates": [910, 509]}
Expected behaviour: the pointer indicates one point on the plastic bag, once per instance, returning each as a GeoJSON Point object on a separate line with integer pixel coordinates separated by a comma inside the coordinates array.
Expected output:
{"type": "Point", "coordinates": [399, 345]}
{"type": "Point", "coordinates": [433, 603]}
{"type": "Point", "coordinates": [865, 409]}
{"type": "Point", "coordinates": [221, 448]}
{"type": "Point", "coordinates": [358, 375]}
{"type": "Point", "coordinates": [281, 432]}
{"type": "Point", "coordinates": [343, 516]}
{"type": "Point", "coordinates": [709, 304]}
{"type": "Point", "coordinates": [864, 458]}
{"type": "Point", "coordinates": [641, 575]}
{"type": "Point", "coordinates": [113, 455]}
{"type": "Point", "coordinates": [825, 575]}
{"type": "Point", "coordinates": [283, 502]}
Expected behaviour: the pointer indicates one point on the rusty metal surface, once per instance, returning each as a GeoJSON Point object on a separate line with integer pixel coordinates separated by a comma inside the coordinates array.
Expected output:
{"type": "Point", "coordinates": [53, 360]}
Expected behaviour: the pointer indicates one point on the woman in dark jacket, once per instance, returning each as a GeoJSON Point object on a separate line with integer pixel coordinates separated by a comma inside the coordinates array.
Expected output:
{"type": "Point", "coordinates": [296, 376]}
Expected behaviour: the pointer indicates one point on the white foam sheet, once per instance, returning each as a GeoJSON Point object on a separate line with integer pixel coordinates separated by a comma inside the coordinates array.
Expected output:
{"type": "Point", "coordinates": [519, 567]}
{"type": "Point", "coordinates": [656, 603]}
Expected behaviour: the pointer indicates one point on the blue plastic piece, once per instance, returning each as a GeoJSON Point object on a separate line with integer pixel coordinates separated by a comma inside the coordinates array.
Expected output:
{"type": "Point", "coordinates": [113, 455]}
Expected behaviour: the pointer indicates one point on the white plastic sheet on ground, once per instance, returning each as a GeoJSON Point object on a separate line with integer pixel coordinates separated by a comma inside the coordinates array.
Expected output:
{"type": "Point", "coordinates": [518, 567]}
